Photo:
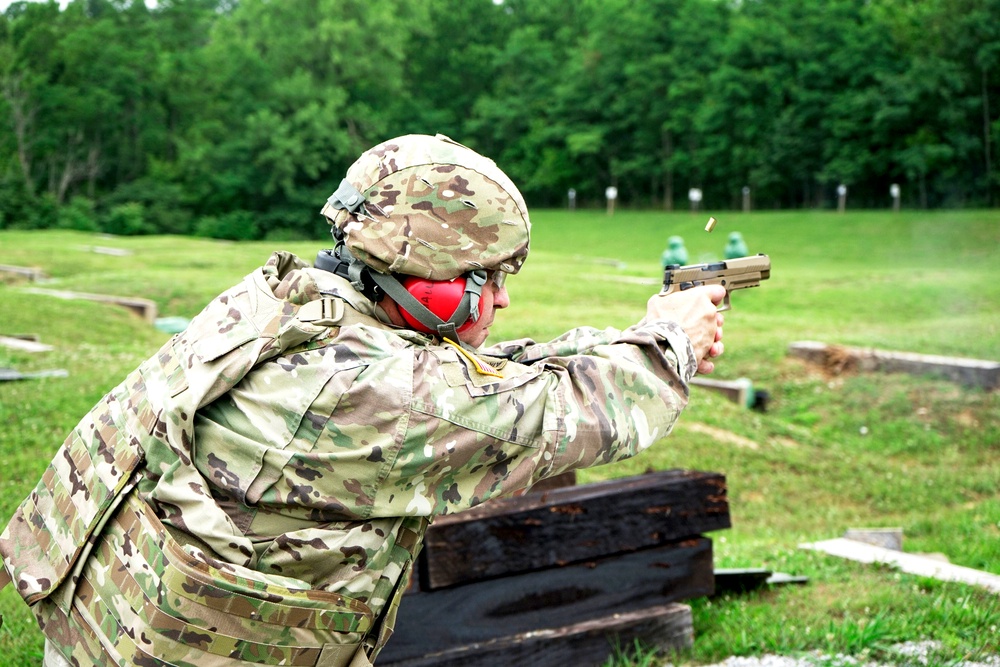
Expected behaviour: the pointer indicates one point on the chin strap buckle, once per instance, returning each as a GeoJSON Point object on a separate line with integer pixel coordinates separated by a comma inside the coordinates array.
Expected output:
{"type": "Point", "coordinates": [325, 312]}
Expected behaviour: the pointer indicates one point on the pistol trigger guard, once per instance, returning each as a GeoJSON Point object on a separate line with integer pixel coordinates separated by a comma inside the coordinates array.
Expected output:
{"type": "Point", "coordinates": [725, 304]}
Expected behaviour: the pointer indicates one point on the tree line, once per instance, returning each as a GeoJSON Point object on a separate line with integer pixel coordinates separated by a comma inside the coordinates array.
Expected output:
{"type": "Point", "coordinates": [237, 118]}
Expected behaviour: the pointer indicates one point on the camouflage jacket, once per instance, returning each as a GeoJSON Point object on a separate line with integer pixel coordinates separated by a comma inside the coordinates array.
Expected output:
{"type": "Point", "coordinates": [317, 466]}
{"type": "Point", "coordinates": [325, 449]}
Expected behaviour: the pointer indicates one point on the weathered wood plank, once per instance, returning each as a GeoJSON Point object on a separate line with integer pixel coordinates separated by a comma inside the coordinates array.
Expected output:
{"type": "Point", "coordinates": [145, 308]}
{"type": "Point", "coordinates": [24, 344]}
{"type": "Point", "coordinates": [434, 621]}
{"type": "Point", "coordinates": [9, 374]}
{"type": "Point", "coordinates": [590, 643]}
{"type": "Point", "coordinates": [888, 538]}
{"type": "Point", "coordinates": [32, 273]}
{"type": "Point", "coordinates": [572, 524]}
{"type": "Point", "coordinates": [737, 391]}
{"type": "Point", "coordinates": [837, 359]}
{"type": "Point", "coordinates": [911, 563]}
{"type": "Point", "coordinates": [105, 250]}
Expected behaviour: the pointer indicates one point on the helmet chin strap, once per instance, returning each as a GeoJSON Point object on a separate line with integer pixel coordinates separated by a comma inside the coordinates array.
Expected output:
{"type": "Point", "coordinates": [468, 306]}
{"type": "Point", "coordinates": [375, 285]}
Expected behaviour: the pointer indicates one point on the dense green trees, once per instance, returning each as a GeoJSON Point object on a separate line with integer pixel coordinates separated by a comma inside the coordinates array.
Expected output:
{"type": "Point", "coordinates": [236, 118]}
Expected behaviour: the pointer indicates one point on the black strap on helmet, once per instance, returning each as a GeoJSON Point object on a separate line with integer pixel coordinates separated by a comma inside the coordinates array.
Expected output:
{"type": "Point", "coordinates": [339, 261]}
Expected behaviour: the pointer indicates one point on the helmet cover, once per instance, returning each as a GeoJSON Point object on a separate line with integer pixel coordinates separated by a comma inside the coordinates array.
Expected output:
{"type": "Point", "coordinates": [433, 208]}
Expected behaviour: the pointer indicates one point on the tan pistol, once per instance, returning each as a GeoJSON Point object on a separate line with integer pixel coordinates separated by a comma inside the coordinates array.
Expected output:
{"type": "Point", "coordinates": [733, 274]}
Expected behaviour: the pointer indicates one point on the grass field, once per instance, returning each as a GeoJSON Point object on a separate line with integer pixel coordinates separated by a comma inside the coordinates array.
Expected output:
{"type": "Point", "coordinates": [831, 452]}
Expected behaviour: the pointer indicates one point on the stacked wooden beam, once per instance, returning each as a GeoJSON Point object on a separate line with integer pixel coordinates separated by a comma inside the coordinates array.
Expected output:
{"type": "Point", "coordinates": [555, 578]}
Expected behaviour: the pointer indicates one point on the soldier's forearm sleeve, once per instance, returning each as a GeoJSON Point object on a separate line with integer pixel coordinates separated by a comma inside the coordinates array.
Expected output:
{"type": "Point", "coordinates": [620, 397]}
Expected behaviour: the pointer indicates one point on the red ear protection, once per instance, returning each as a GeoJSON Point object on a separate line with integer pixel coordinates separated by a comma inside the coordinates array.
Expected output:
{"type": "Point", "coordinates": [441, 297]}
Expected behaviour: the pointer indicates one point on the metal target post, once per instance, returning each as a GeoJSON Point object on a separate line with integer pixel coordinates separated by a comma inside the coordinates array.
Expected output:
{"type": "Point", "coordinates": [611, 193]}
{"type": "Point", "coordinates": [694, 195]}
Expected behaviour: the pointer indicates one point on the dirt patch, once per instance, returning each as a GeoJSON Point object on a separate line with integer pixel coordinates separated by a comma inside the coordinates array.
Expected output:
{"type": "Point", "coordinates": [838, 360]}
{"type": "Point", "coordinates": [967, 419]}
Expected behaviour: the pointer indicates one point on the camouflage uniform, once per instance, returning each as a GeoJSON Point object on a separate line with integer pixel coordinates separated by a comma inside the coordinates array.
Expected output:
{"type": "Point", "coordinates": [256, 492]}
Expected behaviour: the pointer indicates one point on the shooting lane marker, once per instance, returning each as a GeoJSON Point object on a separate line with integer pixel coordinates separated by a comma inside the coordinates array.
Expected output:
{"type": "Point", "coordinates": [711, 224]}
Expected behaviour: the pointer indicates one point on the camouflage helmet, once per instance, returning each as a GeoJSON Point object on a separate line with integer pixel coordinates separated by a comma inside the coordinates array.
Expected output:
{"type": "Point", "coordinates": [430, 207]}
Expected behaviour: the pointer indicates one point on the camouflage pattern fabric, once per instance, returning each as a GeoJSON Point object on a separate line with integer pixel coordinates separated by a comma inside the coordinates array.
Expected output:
{"type": "Point", "coordinates": [435, 209]}
{"type": "Point", "coordinates": [280, 460]}
{"type": "Point", "coordinates": [157, 601]}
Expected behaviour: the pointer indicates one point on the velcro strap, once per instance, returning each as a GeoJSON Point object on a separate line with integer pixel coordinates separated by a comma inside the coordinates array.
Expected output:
{"type": "Point", "coordinates": [346, 197]}
{"type": "Point", "coordinates": [342, 655]}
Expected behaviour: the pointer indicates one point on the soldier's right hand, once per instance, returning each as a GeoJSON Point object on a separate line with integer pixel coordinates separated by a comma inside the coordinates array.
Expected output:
{"type": "Point", "coordinates": [696, 311]}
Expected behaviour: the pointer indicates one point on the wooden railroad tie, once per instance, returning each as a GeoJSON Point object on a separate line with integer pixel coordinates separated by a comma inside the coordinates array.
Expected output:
{"type": "Point", "coordinates": [556, 578]}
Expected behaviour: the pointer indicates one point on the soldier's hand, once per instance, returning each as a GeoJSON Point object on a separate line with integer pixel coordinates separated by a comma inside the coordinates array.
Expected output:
{"type": "Point", "coordinates": [696, 310]}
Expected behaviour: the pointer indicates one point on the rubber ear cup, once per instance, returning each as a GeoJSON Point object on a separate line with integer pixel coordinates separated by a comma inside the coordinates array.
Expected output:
{"type": "Point", "coordinates": [441, 297]}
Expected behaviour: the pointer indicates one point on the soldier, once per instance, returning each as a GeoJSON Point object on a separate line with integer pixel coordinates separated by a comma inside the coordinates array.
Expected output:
{"type": "Point", "coordinates": [256, 492]}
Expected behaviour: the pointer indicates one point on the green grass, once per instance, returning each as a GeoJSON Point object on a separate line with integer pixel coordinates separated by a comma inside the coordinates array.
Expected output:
{"type": "Point", "coordinates": [832, 452]}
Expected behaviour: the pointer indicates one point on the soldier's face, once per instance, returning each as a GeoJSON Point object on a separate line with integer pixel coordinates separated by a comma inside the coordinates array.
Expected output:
{"type": "Point", "coordinates": [493, 298]}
